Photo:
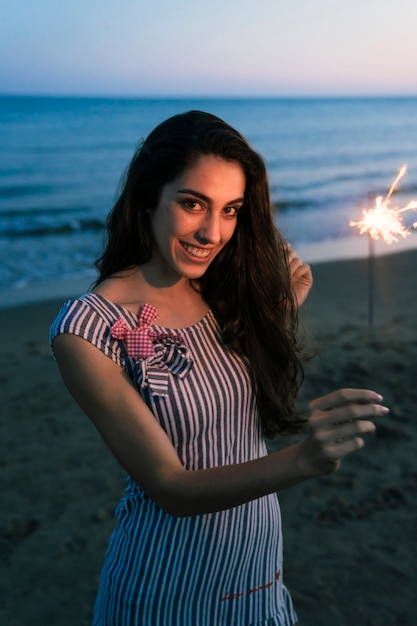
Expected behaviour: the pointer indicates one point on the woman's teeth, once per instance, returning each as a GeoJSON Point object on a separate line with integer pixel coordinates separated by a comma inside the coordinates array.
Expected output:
{"type": "Point", "coordinates": [198, 252]}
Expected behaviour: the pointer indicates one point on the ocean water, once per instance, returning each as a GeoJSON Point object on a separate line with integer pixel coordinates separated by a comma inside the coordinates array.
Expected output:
{"type": "Point", "coordinates": [61, 160]}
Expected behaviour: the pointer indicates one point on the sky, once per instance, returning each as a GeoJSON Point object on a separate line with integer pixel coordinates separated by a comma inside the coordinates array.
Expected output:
{"type": "Point", "coordinates": [214, 48]}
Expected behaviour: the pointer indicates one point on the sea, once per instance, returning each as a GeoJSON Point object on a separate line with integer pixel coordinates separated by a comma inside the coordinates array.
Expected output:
{"type": "Point", "coordinates": [61, 162]}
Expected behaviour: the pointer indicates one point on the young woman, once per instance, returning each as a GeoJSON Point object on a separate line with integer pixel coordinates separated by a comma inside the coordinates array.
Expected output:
{"type": "Point", "coordinates": [185, 356]}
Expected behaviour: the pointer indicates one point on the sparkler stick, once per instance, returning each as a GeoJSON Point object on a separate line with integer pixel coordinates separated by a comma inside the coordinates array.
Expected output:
{"type": "Point", "coordinates": [383, 222]}
{"type": "Point", "coordinates": [371, 288]}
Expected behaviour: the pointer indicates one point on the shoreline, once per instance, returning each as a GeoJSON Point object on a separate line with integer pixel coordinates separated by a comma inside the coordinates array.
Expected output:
{"type": "Point", "coordinates": [346, 249]}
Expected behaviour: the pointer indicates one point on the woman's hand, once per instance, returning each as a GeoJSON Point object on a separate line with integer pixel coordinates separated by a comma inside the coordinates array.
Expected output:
{"type": "Point", "coordinates": [301, 277]}
{"type": "Point", "coordinates": [336, 425]}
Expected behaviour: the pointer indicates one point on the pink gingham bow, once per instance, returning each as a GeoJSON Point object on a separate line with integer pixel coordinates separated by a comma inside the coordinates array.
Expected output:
{"type": "Point", "coordinates": [140, 341]}
{"type": "Point", "coordinates": [158, 355]}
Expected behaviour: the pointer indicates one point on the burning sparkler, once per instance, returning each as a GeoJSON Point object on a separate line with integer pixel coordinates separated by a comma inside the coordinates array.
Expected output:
{"type": "Point", "coordinates": [383, 222]}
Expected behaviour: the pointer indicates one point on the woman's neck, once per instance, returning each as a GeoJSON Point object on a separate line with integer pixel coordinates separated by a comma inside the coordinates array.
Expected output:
{"type": "Point", "coordinates": [179, 304]}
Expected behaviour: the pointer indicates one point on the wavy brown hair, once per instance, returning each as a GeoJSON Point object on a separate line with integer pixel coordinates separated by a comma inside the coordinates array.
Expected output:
{"type": "Point", "coordinates": [248, 284]}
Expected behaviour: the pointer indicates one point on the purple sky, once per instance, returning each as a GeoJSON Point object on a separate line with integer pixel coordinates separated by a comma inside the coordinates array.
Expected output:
{"type": "Point", "coordinates": [212, 48]}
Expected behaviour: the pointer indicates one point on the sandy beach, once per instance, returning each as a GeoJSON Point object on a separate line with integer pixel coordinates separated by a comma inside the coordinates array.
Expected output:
{"type": "Point", "coordinates": [350, 543]}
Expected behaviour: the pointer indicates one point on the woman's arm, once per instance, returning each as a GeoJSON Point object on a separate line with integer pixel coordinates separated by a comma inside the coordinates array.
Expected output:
{"type": "Point", "coordinates": [105, 393]}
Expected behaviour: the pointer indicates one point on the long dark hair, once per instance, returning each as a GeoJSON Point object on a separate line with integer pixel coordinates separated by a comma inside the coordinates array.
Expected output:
{"type": "Point", "coordinates": [248, 284]}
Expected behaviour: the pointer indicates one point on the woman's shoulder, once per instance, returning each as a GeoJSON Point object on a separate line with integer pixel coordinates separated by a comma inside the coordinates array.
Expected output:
{"type": "Point", "coordinates": [87, 307]}
{"type": "Point", "coordinates": [124, 290]}
{"type": "Point", "coordinates": [91, 317]}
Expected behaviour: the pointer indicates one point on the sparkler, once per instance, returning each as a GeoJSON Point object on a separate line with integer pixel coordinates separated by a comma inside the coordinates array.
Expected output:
{"type": "Point", "coordinates": [384, 222]}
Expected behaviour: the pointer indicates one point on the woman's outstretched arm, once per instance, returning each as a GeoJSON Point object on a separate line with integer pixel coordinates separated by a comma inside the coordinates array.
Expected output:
{"type": "Point", "coordinates": [105, 393]}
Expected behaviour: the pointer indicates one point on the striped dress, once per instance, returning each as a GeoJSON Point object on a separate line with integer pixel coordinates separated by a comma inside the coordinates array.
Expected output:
{"type": "Point", "coordinates": [218, 569]}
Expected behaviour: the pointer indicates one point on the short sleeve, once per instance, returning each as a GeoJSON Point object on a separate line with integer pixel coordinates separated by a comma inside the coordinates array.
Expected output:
{"type": "Point", "coordinates": [82, 317]}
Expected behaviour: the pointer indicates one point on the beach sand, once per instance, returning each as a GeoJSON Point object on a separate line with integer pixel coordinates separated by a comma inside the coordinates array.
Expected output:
{"type": "Point", "coordinates": [350, 539]}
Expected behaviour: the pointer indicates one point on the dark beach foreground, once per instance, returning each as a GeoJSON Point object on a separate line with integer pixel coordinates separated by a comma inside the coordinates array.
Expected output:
{"type": "Point", "coordinates": [350, 539]}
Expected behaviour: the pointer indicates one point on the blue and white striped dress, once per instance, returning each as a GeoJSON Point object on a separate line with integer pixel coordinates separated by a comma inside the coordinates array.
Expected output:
{"type": "Point", "coordinates": [219, 569]}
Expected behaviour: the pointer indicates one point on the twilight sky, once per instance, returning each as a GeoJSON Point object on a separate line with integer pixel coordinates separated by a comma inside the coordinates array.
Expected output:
{"type": "Point", "coordinates": [211, 48]}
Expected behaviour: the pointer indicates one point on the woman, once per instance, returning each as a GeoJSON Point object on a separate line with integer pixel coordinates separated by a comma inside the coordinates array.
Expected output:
{"type": "Point", "coordinates": [184, 356]}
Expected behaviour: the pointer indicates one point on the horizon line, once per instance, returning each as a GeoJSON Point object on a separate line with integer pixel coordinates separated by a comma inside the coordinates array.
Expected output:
{"type": "Point", "coordinates": [223, 96]}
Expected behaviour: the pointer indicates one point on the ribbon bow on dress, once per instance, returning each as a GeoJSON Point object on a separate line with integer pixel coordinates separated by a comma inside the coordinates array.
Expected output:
{"type": "Point", "coordinates": [158, 354]}
{"type": "Point", "coordinates": [139, 340]}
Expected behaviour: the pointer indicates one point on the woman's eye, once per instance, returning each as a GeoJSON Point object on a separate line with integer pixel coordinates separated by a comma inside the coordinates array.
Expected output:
{"type": "Point", "coordinates": [193, 205]}
{"type": "Point", "coordinates": [231, 210]}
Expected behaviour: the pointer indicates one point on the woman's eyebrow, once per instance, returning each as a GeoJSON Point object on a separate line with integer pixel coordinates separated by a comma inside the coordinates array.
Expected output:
{"type": "Point", "coordinates": [192, 192]}
{"type": "Point", "coordinates": [203, 197]}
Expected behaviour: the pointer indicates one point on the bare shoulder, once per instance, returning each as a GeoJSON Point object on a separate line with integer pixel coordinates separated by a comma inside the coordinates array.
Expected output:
{"type": "Point", "coordinates": [124, 288]}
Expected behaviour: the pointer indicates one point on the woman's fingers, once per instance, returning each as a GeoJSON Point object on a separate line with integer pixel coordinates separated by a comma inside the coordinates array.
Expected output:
{"type": "Point", "coordinates": [336, 452]}
{"type": "Point", "coordinates": [344, 397]}
{"type": "Point", "coordinates": [337, 423]}
{"type": "Point", "coordinates": [345, 420]}
{"type": "Point", "coordinates": [351, 413]}
{"type": "Point", "coordinates": [344, 432]}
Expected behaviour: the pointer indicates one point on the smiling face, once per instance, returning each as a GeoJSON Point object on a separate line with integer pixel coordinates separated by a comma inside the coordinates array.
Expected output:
{"type": "Point", "coordinates": [196, 217]}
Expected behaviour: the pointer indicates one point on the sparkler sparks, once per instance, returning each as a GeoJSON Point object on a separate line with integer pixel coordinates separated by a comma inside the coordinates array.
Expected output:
{"type": "Point", "coordinates": [384, 222]}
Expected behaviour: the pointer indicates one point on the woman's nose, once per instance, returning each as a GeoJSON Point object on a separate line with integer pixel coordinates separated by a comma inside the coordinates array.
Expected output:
{"type": "Point", "coordinates": [209, 231]}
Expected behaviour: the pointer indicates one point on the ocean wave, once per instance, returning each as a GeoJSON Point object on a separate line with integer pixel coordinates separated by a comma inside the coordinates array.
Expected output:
{"type": "Point", "coordinates": [37, 229]}
{"type": "Point", "coordinates": [408, 189]}
{"type": "Point", "coordinates": [16, 191]}
{"type": "Point", "coordinates": [287, 205]}
{"type": "Point", "coordinates": [41, 212]}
